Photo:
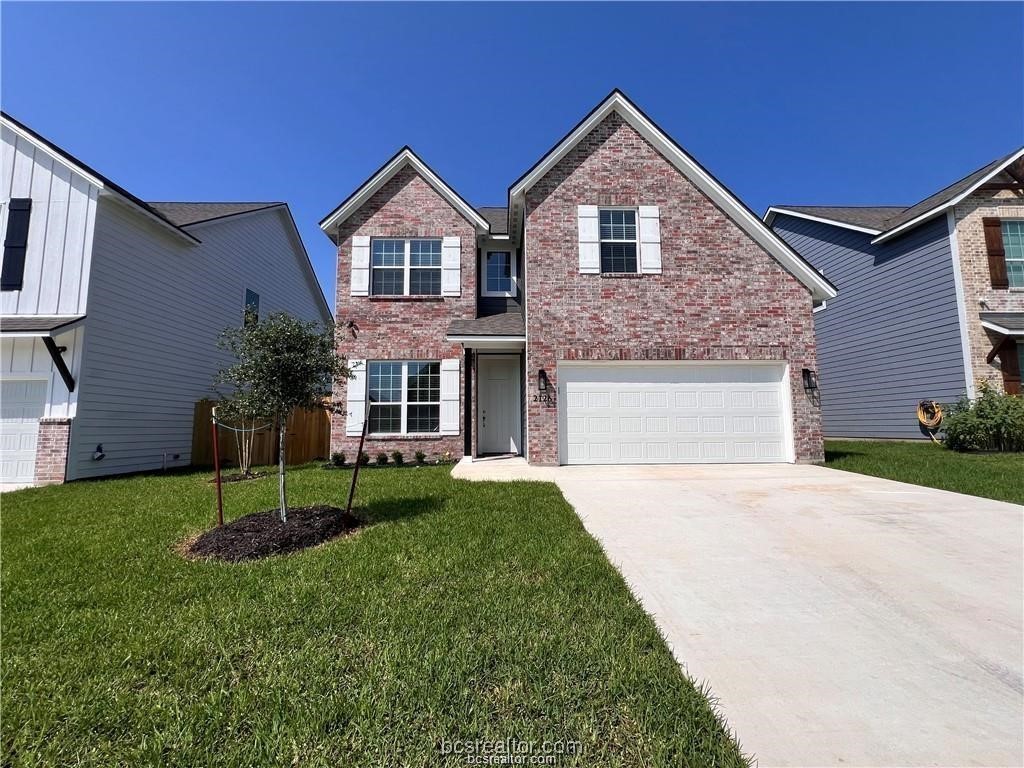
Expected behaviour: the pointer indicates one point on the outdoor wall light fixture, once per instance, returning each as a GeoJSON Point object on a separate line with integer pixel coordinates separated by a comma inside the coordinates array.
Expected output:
{"type": "Point", "coordinates": [542, 380]}
{"type": "Point", "coordinates": [810, 381]}
{"type": "Point", "coordinates": [98, 454]}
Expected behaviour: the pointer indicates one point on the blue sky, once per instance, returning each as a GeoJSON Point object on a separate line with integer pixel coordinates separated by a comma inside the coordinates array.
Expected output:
{"type": "Point", "coordinates": [865, 103]}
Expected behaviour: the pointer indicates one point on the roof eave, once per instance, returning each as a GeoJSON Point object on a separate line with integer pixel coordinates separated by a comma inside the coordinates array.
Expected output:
{"type": "Point", "coordinates": [771, 213]}
{"type": "Point", "coordinates": [371, 186]}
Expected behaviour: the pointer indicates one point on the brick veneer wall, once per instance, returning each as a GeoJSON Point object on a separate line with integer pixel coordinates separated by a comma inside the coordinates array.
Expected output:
{"type": "Point", "coordinates": [52, 451]}
{"type": "Point", "coordinates": [403, 328]}
{"type": "Point", "coordinates": [977, 282]}
{"type": "Point", "coordinates": [720, 295]}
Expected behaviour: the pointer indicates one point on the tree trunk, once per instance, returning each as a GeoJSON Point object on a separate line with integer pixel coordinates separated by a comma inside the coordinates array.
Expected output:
{"type": "Point", "coordinates": [281, 424]}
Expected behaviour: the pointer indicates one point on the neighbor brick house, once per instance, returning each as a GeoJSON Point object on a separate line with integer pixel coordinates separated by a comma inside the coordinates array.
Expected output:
{"type": "Point", "coordinates": [931, 298]}
{"type": "Point", "coordinates": [624, 307]}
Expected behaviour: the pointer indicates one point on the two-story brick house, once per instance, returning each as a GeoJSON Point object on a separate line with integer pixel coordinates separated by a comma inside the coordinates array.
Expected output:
{"type": "Point", "coordinates": [624, 307]}
{"type": "Point", "coordinates": [931, 298]}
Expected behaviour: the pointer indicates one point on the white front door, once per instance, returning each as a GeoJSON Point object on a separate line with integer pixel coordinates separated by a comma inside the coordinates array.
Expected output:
{"type": "Point", "coordinates": [499, 406]}
{"type": "Point", "coordinates": [674, 413]}
{"type": "Point", "coordinates": [22, 404]}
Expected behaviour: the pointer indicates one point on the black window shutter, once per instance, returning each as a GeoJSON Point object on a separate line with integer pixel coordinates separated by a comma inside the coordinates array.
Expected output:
{"type": "Point", "coordinates": [996, 254]}
{"type": "Point", "coordinates": [15, 243]}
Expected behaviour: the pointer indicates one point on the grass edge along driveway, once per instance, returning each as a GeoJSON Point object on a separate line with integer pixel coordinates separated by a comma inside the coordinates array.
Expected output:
{"type": "Point", "coordinates": [466, 611]}
{"type": "Point", "coordinates": [997, 476]}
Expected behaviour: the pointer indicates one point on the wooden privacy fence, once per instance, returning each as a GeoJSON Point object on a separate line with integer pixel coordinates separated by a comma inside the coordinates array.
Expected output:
{"type": "Point", "coordinates": [307, 437]}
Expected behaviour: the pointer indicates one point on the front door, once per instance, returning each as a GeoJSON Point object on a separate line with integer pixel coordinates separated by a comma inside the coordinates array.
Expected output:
{"type": "Point", "coordinates": [500, 409]}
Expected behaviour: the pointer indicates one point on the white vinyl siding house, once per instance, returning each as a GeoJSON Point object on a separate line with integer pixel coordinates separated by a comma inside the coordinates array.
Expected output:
{"type": "Point", "coordinates": [132, 297]}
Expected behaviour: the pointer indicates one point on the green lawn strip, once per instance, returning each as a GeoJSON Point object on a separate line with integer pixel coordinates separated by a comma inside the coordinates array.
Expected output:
{"type": "Point", "coordinates": [468, 610]}
{"type": "Point", "coordinates": [990, 475]}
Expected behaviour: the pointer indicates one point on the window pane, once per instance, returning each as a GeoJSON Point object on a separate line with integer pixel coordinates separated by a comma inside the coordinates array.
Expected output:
{"type": "Point", "coordinates": [388, 253]}
{"type": "Point", "coordinates": [385, 382]}
{"type": "Point", "coordinates": [618, 257]}
{"type": "Point", "coordinates": [617, 224]}
{"type": "Point", "coordinates": [385, 418]}
{"type": "Point", "coordinates": [424, 282]}
{"type": "Point", "coordinates": [424, 418]}
{"type": "Point", "coordinates": [499, 271]}
{"type": "Point", "coordinates": [425, 253]}
{"type": "Point", "coordinates": [424, 383]}
{"type": "Point", "coordinates": [1013, 246]}
{"type": "Point", "coordinates": [388, 282]}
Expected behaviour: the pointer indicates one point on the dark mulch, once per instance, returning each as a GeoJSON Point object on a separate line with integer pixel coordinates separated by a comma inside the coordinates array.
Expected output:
{"type": "Point", "coordinates": [239, 477]}
{"type": "Point", "coordinates": [262, 534]}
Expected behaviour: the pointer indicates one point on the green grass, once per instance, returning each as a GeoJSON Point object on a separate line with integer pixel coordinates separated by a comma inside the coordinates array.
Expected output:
{"type": "Point", "coordinates": [467, 611]}
{"type": "Point", "coordinates": [991, 475]}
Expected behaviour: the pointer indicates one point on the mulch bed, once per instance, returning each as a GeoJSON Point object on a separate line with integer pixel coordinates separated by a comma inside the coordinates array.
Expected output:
{"type": "Point", "coordinates": [239, 477]}
{"type": "Point", "coordinates": [262, 534]}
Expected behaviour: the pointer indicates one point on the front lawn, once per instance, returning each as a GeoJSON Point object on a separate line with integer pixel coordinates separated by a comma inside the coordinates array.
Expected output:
{"type": "Point", "coordinates": [992, 475]}
{"type": "Point", "coordinates": [465, 611]}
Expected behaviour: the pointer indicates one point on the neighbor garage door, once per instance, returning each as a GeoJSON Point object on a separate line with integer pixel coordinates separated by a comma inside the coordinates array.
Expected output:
{"type": "Point", "coordinates": [673, 413]}
{"type": "Point", "coordinates": [21, 406]}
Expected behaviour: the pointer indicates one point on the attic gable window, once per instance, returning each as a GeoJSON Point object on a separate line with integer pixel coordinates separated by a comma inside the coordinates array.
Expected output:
{"type": "Point", "coordinates": [405, 267]}
{"type": "Point", "coordinates": [618, 236]}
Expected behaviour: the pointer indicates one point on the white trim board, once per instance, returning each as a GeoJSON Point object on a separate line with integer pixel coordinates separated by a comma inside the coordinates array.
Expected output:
{"type": "Point", "coordinates": [369, 188]}
{"type": "Point", "coordinates": [1000, 329]}
{"type": "Point", "coordinates": [961, 305]}
{"type": "Point", "coordinates": [730, 205]}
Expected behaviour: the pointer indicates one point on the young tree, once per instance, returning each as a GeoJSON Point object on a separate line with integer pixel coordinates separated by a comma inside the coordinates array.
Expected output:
{"type": "Point", "coordinates": [281, 363]}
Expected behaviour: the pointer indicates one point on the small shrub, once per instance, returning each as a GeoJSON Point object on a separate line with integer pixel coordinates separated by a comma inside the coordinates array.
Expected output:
{"type": "Point", "coordinates": [446, 458]}
{"type": "Point", "coordinates": [382, 459]}
{"type": "Point", "coordinates": [421, 457]}
{"type": "Point", "coordinates": [398, 458]}
{"type": "Point", "coordinates": [364, 459]}
{"type": "Point", "coordinates": [992, 421]}
{"type": "Point", "coordinates": [338, 459]}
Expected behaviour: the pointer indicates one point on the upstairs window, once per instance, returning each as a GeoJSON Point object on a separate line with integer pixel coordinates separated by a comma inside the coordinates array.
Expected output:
{"type": "Point", "coordinates": [251, 313]}
{"type": "Point", "coordinates": [499, 274]}
{"type": "Point", "coordinates": [405, 398]}
{"type": "Point", "coordinates": [1013, 245]}
{"type": "Point", "coordinates": [405, 267]}
{"type": "Point", "coordinates": [618, 240]}
{"type": "Point", "coordinates": [12, 275]}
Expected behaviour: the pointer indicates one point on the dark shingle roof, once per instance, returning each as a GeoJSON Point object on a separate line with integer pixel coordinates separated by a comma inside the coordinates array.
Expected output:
{"type": "Point", "coordinates": [497, 217]}
{"type": "Point", "coordinates": [1011, 321]}
{"type": "Point", "coordinates": [943, 196]}
{"type": "Point", "coordinates": [505, 324]}
{"type": "Point", "coordinates": [183, 214]}
{"type": "Point", "coordinates": [36, 323]}
{"type": "Point", "coordinates": [870, 217]}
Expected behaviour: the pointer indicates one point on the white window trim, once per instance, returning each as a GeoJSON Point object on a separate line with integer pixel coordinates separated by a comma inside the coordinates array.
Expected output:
{"type": "Point", "coordinates": [1006, 254]}
{"type": "Point", "coordinates": [404, 402]}
{"type": "Point", "coordinates": [601, 240]}
{"type": "Point", "coordinates": [406, 267]}
{"type": "Point", "coordinates": [483, 271]}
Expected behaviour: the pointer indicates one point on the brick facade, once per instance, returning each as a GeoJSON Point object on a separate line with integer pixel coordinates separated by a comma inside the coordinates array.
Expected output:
{"type": "Point", "coordinates": [401, 328]}
{"type": "Point", "coordinates": [52, 451]}
{"type": "Point", "coordinates": [977, 282]}
{"type": "Point", "coordinates": [720, 295]}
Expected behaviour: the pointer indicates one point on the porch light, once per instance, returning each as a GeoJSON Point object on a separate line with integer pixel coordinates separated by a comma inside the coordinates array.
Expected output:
{"type": "Point", "coordinates": [810, 380]}
{"type": "Point", "coordinates": [542, 380]}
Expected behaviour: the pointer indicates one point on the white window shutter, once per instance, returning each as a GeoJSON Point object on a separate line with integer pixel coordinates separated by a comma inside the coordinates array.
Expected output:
{"type": "Point", "coordinates": [650, 239]}
{"type": "Point", "coordinates": [355, 398]}
{"type": "Point", "coordinates": [360, 265]}
{"type": "Point", "coordinates": [450, 397]}
{"type": "Point", "coordinates": [590, 239]}
{"type": "Point", "coordinates": [451, 263]}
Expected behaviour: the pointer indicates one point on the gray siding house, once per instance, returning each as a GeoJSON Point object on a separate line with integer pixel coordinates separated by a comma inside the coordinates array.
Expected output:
{"type": "Point", "coordinates": [931, 298]}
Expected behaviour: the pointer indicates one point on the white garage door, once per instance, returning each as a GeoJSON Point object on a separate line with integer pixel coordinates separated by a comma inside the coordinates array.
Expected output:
{"type": "Point", "coordinates": [673, 413]}
{"type": "Point", "coordinates": [21, 406]}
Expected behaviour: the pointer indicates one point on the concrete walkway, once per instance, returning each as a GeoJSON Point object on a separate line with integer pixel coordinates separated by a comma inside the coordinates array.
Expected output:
{"type": "Point", "coordinates": [840, 619]}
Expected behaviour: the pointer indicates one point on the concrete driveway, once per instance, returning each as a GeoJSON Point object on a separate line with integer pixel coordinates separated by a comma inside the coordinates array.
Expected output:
{"type": "Point", "coordinates": [840, 619]}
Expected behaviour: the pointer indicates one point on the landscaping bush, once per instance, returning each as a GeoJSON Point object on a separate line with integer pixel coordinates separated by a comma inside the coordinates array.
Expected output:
{"type": "Point", "coordinates": [398, 458]}
{"type": "Point", "coordinates": [338, 459]}
{"type": "Point", "coordinates": [421, 457]}
{"type": "Point", "coordinates": [382, 459]}
{"type": "Point", "coordinates": [364, 459]}
{"type": "Point", "coordinates": [992, 421]}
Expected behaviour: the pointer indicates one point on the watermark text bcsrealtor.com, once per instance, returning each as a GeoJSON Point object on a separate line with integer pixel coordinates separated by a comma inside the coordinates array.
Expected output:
{"type": "Point", "coordinates": [510, 751]}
